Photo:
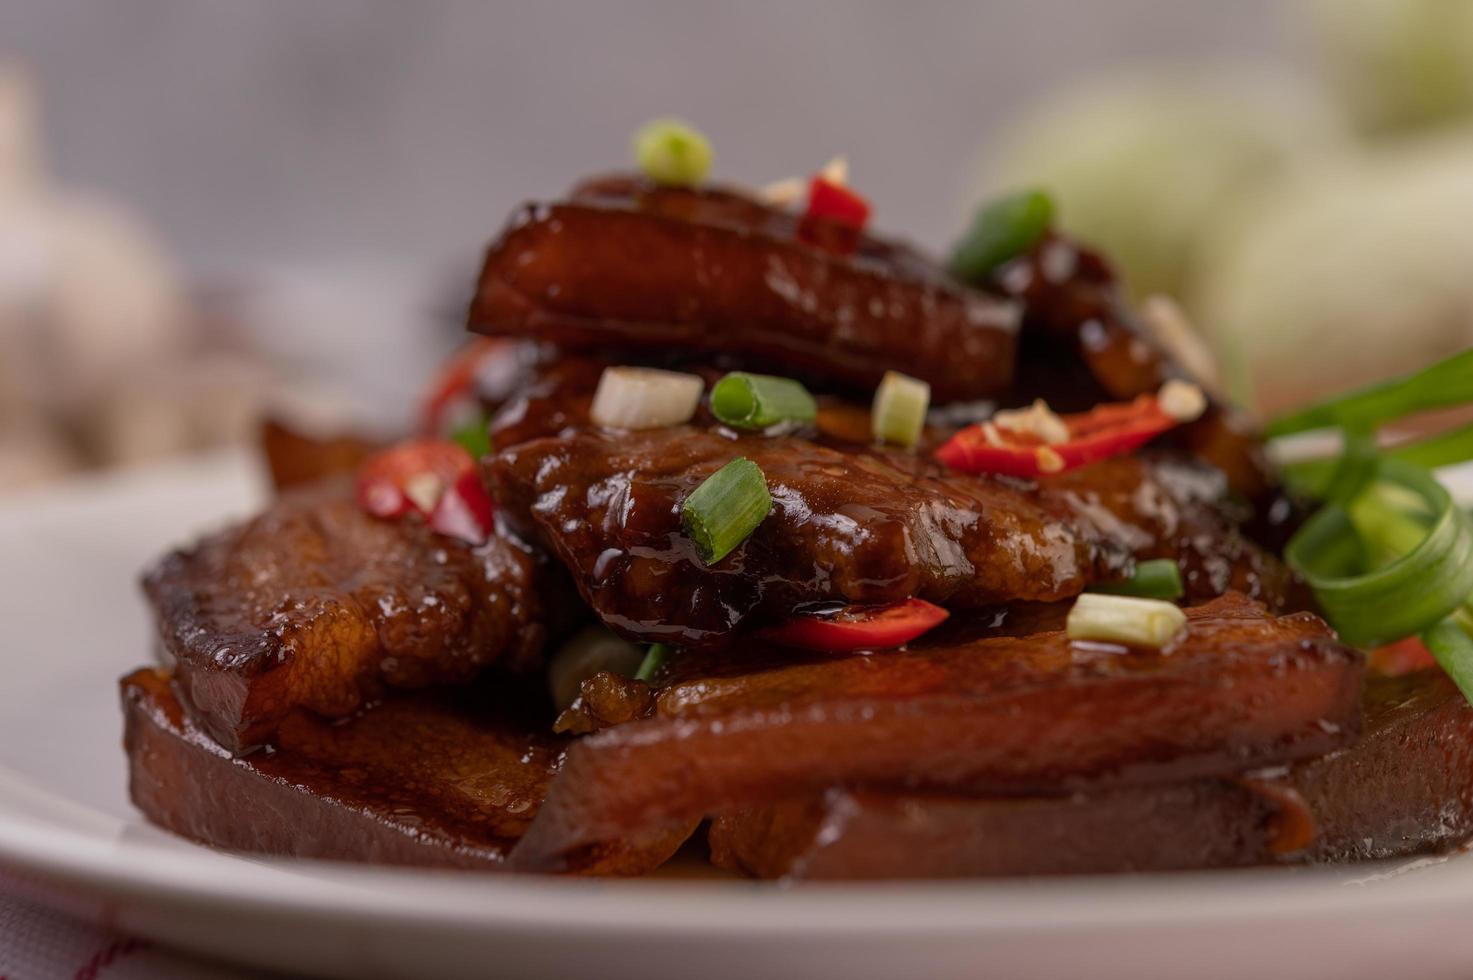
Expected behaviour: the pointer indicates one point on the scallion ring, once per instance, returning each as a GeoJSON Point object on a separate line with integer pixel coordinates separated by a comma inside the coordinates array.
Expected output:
{"type": "Point", "coordinates": [1452, 648]}
{"type": "Point", "coordinates": [1354, 471]}
{"type": "Point", "coordinates": [757, 401]}
{"type": "Point", "coordinates": [645, 398]}
{"type": "Point", "coordinates": [1313, 476]}
{"type": "Point", "coordinates": [669, 151]}
{"type": "Point", "coordinates": [1409, 594]}
{"type": "Point", "coordinates": [898, 415]}
{"type": "Point", "coordinates": [1002, 229]}
{"type": "Point", "coordinates": [592, 650]}
{"type": "Point", "coordinates": [726, 508]}
{"type": "Point", "coordinates": [474, 435]}
{"type": "Point", "coordinates": [1448, 382]}
{"type": "Point", "coordinates": [1159, 578]}
{"type": "Point", "coordinates": [1124, 619]}
{"type": "Point", "coordinates": [1444, 449]}
{"type": "Point", "coordinates": [654, 659]}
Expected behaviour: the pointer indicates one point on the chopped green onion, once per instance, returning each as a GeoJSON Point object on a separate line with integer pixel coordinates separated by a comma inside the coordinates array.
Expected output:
{"type": "Point", "coordinates": [1002, 229]}
{"type": "Point", "coordinates": [1452, 648]}
{"type": "Point", "coordinates": [1159, 578]}
{"type": "Point", "coordinates": [1390, 556]}
{"type": "Point", "coordinates": [726, 508]}
{"type": "Point", "coordinates": [899, 412]}
{"type": "Point", "coordinates": [670, 152]}
{"type": "Point", "coordinates": [654, 659]}
{"type": "Point", "coordinates": [1355, 470]}
{"type": "Point", "coordinates": [475, 436]}
{"type": "Point", "coordinates": [1313, 476]}
{"type": "Point", "coordinates": [1448, 382]}
{"type": "Point", "coordinates": [1310, 477]}
{"type": "Point", "coordinates": [1371, 606]}
{"type": "Point", "coordinates": [1389, 525]}
{"type": "Point", "coordinates": [645, 398]}
{"type": "Point", "coordinates": [1444, 449]}
{"type": "Point", "coordinates": [1124, 619]}
{"type": "Point", "coordinates": [592, 650]}
{"type": "Point", "coordinates": [756, 401]}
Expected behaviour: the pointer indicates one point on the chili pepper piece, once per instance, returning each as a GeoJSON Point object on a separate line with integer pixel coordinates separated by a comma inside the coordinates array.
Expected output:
{"type": "Point", "coordinates": [859, 627]}
{"type": "Point", "coordinates": [1106, 430]}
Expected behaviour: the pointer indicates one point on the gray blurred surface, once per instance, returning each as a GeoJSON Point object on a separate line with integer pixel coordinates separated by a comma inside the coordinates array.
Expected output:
{"type": "Point", "coordinates": [286, 133]}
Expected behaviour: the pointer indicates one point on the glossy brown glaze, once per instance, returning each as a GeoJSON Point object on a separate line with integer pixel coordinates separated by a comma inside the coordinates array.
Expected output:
{"type": "Point", "coordinates": [1238, 689]}
{"type": "Point", "coordinates": [529, 390]}
{"type": "Point", "coordinates": [627, 264]}
{"type": "Point", "coordinates": [855, 524]}
{"type": "Point", "coordinates": [445, 779]}
{"type": "Point", "coordinates": [1082, 344]}
{"type": "Point", "coordinates": [860, 526]}
{"type": "Point", "coordinates": [314, 604]}
{"type": "Point", "coordinates": [554, 396]}
{"type": "Point", "coordinates": [555, 391]}
{"type": "Point", "coordinates": [605, 700]}
{"type": "Point", "coordinates": [1164, 504]}
{"type": "Point", "coordinates": [1404, 788]}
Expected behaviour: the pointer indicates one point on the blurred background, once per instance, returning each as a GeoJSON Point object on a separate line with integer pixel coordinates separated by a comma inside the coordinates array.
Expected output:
{"type": "Point", "coordinates": [210, 210]}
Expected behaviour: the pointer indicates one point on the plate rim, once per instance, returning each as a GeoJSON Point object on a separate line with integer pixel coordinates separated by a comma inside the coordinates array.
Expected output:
{"type": "Point", "coordinates": [459, 900]}
{"type": "Point", "coordinates": [177, 870]}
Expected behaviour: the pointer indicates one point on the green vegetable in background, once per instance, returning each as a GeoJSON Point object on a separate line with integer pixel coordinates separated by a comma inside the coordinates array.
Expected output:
{"type": "Point", "coordinates": [1398, 65]}
{"type": "Point", "coordinates": [1337, 277]}
{"type": "Point", "coordinates": [1142, 164]}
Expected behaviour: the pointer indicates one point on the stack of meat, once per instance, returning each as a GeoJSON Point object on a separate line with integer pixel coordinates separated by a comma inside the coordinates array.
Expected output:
{"type": "Point", "coordinates": [376, 687]}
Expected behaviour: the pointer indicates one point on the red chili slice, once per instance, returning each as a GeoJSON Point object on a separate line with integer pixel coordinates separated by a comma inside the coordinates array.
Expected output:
{"type": "Point", "coordinates": [456, 383]}
{"type": "Point", "coordinates": [1402, 657]}
{"type": "Point", "coordinates": [859, 627]}
{"type": "Point", "coordinates": [432, 478]}
{"type": "Point", "coordinates": [1105, 430]}
{"type": "Point", "coordinates": [465, 510]}
{"type": "Point", "coordinates": [835, 217]}
{"type": "Point", "coordinates": [837, 203]}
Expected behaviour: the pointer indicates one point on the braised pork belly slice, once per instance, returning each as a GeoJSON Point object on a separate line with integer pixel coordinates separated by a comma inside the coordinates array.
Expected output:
{"type": "Point", "coordinates": [1237, 689]}
{"type": "Point", "coordinates": [856, 525]}
{"type": "Point", "coordinates": [446, 779]}
{"type": "Point", "coordinates": [627, 264]}
{"type": "Point", "coordinates": [553, 396]}
{"type": "Point", "coordinates": [1166, 504]}
{"type": "Point", "coordinates": [297, 457]}
{"type": "Point", "coordinates": [314, 604]}
{"type": "Point", "coordinates": [1404, 788]}
{"type": "Point", "coordinates": [530, 390]}
{"type": "Point", "coordinates": [1082, 343]}
{"type": "Point", "coordinates": [844, 834]}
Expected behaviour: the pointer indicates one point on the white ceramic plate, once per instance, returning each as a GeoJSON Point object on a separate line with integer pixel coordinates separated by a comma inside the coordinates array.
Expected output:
{"type": "Point", "coordinates": [71, 622]}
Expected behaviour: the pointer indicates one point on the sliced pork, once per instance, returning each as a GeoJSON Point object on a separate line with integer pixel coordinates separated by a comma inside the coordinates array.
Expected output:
{"type": "Point", "coordinates": [1237, 689]}
{"type": "Point", "coordinates": [856, 525]}
{"type": "Point", "coordinates": [630, 265]}
{"type": "Point", "coordinates": [314, 604]}
{"type": "Point", "coordinates": [446, 779]}
{"type": "Point", "coordinates": [1404, 788]}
